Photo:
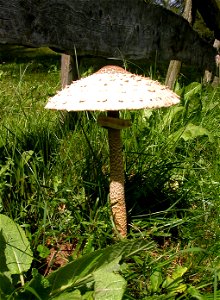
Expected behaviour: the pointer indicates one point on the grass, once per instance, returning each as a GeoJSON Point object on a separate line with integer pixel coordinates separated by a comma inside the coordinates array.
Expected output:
{"type": "Point", "coordinates": [54, 180]}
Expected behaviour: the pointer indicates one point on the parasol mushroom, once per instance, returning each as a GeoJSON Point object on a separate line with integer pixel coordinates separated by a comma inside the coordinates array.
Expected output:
{"type": "Point", "coordinates": [112, 89]}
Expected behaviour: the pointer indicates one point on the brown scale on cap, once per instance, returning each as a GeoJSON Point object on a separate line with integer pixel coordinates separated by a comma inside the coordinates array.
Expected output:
{"type": "Point", "coordinates": [111, 69]}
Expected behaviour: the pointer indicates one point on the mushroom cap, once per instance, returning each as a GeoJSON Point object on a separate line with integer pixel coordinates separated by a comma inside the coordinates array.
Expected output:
{"type": "Point", "coordinates": [112, 88]}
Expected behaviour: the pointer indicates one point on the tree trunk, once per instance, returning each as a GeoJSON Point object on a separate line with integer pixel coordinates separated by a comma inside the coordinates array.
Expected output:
{"type": "Point", "coordinates": [218, 68]}
{"type": "Point", "coordinates": [216, 45]}
{"type": "Point", "coordinates": [69, 72]}
{"type": "Point", "coordinates": [187, 13]}
{"type": "Point", "coordinates": [66, 70]}
{"type": "Point", "coordinates": [172, 73]}
{"type": "Point", "coordinates": [208, 76]}
{"type": "Point", "coordinates": [216, 80]}
{"type": "Point", "coordinates": [69, 69]}
{"type": "Point", "coordinates": [175, 65]}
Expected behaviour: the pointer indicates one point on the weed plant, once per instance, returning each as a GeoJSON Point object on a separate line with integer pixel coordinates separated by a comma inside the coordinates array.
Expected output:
{"type": "Point", "coordinates": [54, 181]}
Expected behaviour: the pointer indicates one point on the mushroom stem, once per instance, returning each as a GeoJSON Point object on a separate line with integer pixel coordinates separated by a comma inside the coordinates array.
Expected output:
{"type": "Point", "coordinates": [117, 191]}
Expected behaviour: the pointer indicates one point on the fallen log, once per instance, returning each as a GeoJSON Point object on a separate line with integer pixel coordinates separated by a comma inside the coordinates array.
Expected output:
{"type": "Point", "coordinates": [125, 29]}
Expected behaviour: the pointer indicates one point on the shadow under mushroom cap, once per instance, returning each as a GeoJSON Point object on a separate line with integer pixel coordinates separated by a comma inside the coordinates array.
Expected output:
{"type": "Point", "coordinates": [113, 88]}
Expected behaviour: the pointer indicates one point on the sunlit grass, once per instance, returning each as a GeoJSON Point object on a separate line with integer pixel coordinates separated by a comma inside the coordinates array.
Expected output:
{"type": "Point", "coordinates": [54, 180]}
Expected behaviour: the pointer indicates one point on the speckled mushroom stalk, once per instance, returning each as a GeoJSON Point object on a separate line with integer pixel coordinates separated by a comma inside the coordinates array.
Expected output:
{"type": "Point", "coordinates": [113, 89]}
{"type": "Point", "coordinates": [116, 189]}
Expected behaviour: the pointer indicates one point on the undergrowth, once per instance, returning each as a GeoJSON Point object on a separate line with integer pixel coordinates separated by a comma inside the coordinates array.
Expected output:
{"type": "Point", "coordinates": [54, 182]}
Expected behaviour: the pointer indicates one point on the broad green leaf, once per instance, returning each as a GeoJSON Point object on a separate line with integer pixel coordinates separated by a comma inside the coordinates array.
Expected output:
{"type": "Point", "coordinates": [192, 89]}
{"type": "Point", "coordinates": [179, 272]}
{"type": "Point", "coordinates": [180, 288]}
{"type": "Point", "coordinates": [88, 296]}
{"type": "Point", "coordinates": [156, 280]}
{"type": "Point", "coordinates": [74, 295]}
{"type": "Point", "coordinates": [32, 292]}
{"type": "Point", "coordinates": [80, 272]}
{"type": "Point", "coordinates": [3, 265]}
{"type": "Point", "coordinates": [174, 283]}
{"type": "Point", "coordinates": [174, 286]}
{"type": "Point", "coordinates": [5, 284]}
{"type": "Point", "coordinates": [15, 252]}
{"type": "Point", "coordinates": [193, 131]}
{"type": "Point", "coordinates": [108, 283]}
{"type": "Point", "coordinates": [39, 286]}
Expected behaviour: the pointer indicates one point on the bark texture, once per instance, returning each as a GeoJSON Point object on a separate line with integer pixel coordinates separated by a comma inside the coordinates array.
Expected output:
{"type": "Point", "coordinates": [217, 45]}
{"type": "Point", "coordinates": [175, 65]}
{"type": "Point", "coordinates": [67, 69]}
{"type": "Point", "coordinates": [69, 72]}
{"type": "Point", "coordinates": [126, 29]}
{"type": "Point", "coordinates": [208, 76]}
{"type": "Point", "coordinates": [173, 73]}
{"type": "Point", "coordinates": [187, 14]}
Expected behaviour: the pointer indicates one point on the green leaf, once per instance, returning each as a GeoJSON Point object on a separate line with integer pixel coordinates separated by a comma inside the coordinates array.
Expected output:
{"type": "Point", "coordinates": [32, 292]}
{"type": "Point", "coordinates": [80, 272]}
{"type": "Point", "coordinates": [74, 295]}
{"type": "Point", "coordinates": [191, 90]}
{"type": "Point", "coordinates": [39, 286]}
{"type": "Point", "coordinates": [15, 253]}
{"type": "Point", "coordinates": [108, 283]}
{"type": "Point", "coordinates": [174, 283]}
{"type": "Point", "coordinates": [43, 251]}
{"type": "Point", "coordinates": [155, 281]}
{"type": "Point", "coordinates": [179, 272]}
{"type": "Point", "coordinates": [193, 131]}
{"type": "Point", "coordinates": [5, 284]}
